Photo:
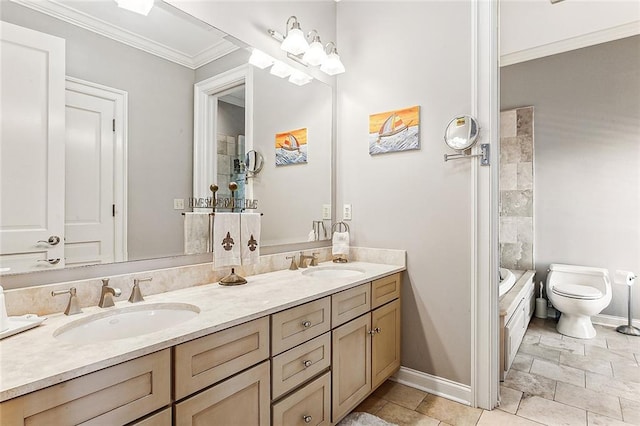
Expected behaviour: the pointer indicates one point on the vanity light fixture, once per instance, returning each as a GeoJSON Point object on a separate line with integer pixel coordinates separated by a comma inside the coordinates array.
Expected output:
{"type": "Point", "coordinates": [260, 59]}
{"type": "Point", "coordinates": [298, 48]}
{"type": "Point", "coordinates": [332, 65]}
{"type": "Point", "coordinates": [143, 7]}
{"type": "Point", "coordinates": [315, 55]}
{"type": "Point", "coordinates": [294, 40]}
{"type": "Point", "coordinates": [280, 69]}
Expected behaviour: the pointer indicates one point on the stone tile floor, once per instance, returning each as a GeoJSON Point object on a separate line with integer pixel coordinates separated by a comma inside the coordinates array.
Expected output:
{"type": "Point", "coordinates": [554, 380]}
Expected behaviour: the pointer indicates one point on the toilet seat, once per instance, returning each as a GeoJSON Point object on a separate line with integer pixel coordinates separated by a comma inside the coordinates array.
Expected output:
{"type": "Point", "coordinates": [576, 291]}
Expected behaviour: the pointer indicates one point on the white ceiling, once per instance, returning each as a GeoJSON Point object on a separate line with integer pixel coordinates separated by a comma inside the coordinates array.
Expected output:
{"type": "Point", "coordinates": [165, 32]}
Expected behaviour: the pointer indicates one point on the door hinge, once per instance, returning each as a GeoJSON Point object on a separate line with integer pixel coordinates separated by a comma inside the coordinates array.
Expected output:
{"type": "Point", "coordinates": [113, 210]}
{"type": "Point", "coordinates": [113, 125]}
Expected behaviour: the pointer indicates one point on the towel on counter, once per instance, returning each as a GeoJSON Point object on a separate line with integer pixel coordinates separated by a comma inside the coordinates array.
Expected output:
{"type": "Point", "coordinates": [340, 242]}
{"type": "Point", "coordinates": [250, 237]}
{"type": "Point", "coordinates": [226, 240]}
{"type": "Point", "coordinates": [196, 232]}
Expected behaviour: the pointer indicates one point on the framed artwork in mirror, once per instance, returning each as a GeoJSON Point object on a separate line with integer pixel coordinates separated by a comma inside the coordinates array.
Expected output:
{"type": "Point", "coordinates": [291, 147]}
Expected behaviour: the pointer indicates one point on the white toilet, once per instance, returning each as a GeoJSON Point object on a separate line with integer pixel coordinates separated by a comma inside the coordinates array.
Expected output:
{"type": "Point", "coordinates": [578, 292]}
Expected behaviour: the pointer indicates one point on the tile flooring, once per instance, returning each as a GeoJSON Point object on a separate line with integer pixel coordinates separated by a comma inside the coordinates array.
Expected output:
{"type": "Point", "coordinates": [554, 380]}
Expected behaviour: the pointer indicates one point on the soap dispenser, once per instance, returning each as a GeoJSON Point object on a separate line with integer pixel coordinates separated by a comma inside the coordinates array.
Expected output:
{"type": "Point", "coordinates": [4, 319]}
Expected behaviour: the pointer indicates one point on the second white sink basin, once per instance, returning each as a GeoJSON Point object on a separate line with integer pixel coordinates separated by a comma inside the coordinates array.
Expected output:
{"type": "Point", "coordinates": [126, 322]}
{"type": "Point", "coordinates": [333, 272]}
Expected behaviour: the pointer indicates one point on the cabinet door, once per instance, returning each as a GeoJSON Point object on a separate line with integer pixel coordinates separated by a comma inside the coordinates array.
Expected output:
{"type": "Point", "coordinates": [385, 355]}
{"type": "Point", "coordinates": [307, 406]}
{"type": "Point", "coordinates": [243, 400]}
{"type": "Point", "coordinates": [351, 363]}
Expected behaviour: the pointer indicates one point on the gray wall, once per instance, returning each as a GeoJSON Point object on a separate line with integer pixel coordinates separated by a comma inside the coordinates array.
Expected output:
{"type": "Point", "coordinates": [402, 55]}
{"type": "Point", "coordinates": [587, 157]}
{"type": "Point", "coordinates": [160, 134]}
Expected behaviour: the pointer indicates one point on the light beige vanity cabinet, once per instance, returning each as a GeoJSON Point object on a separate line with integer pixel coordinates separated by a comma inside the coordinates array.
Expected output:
{"type": "Point", "coordinates": [115, 395]}
{"type": "Point", "coordinates": [306, 365]}
{"type": "Point", "coordinates": [366, 350]}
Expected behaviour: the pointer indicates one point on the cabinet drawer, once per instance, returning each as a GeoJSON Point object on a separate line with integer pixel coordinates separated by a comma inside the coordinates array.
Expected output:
{"type": "Point", "coordinates": [241, 400]}
{"type": "Point", "coordinates": [350, 304]}
{"type": "Point", "coordinates": [297, 365]}
{"type": "Point", "coordinates": [207, 360]}
{"type": "Point", "coordinates": [308, 406]}
{"type": "Point", "coordinates": [297, 325]}
{"type": "Point", "coordinates": [115, 395]}
{"type": "Point", "coordinates": [385, 290]}
{"type": "Point", "coordinates": [163, 418]}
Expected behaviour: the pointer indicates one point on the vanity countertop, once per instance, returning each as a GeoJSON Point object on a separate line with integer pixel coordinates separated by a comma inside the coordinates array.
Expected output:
{"type": "Point", "coordinates": [35, 359]}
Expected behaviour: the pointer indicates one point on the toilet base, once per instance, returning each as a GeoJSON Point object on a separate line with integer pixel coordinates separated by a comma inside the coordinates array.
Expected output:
{"type": "Point", "coordinates": [578, 326]}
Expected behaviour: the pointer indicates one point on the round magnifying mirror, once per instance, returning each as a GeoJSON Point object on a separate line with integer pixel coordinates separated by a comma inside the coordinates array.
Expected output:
{"type": "Point", "coordinates": [461, 133]}
{"type": "Point", "coordinates": [253, 162]}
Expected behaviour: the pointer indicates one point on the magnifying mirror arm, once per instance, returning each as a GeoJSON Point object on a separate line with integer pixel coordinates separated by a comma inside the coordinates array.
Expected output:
{"type": "Point", "coordinates": [484, 155]}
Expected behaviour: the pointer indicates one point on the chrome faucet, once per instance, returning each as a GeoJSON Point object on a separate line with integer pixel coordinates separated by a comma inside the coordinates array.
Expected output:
{"type": "Point", "coordinates": [304, 258]}
{"type": "Point", "coordinates": [136, 294]}
{"type": "Point", "coordinates": [73, 307]}
{"type": "Point", "coordinates": [107, 294]}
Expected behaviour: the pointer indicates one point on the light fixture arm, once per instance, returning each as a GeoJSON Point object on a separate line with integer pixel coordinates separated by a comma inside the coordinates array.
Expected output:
{"type": "Point", "coordinates": [316, 36]}
{"type": "Point", "coordinates": [294, 25]}
{"type": "Point", "coordinates": [330, 48]}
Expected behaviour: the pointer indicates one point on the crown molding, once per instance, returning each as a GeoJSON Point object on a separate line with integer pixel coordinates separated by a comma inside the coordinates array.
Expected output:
{"type": "Point", "coordinates": [98, 26]}
{"type": "Point", "coordinates": [585, 40]}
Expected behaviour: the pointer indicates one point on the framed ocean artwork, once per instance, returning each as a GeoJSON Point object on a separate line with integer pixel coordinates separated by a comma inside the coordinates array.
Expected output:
{"type": "Point", "coordinates": [393, 131]}
{"type": "Point", "coordinates": [291, 147]}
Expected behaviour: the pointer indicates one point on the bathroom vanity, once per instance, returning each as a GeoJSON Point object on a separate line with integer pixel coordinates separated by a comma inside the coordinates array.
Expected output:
{"type": "Point", "coordinates": [287, 348]}
{"type": "Point", "coordinates": [516, 309]}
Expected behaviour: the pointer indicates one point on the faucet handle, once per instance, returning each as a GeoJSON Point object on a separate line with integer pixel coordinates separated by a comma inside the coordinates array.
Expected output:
{"type": "Point", "coordinates": [293, 265]}
{"type": "Point", "coordinates": [73, 307]}
{"type": "Point", "coordinates": [136, 294]}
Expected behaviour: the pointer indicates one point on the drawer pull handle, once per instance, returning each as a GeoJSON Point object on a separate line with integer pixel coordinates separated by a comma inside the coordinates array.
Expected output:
{"type": "Point", "coordinates": [306, 324]}
{"type": "Point", "coordinates": [308, 363]}
{"type": "Point", "coordinates": [307, 419]}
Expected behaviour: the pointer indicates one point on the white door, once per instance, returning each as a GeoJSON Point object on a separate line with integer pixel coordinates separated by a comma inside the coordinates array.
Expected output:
{"type": "Point", "coordinates": [89, 176]}
{"type": "Point", "coordinates": [31, 149]}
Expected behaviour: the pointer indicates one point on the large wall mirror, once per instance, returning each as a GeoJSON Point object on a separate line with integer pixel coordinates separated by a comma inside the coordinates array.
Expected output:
{"type": "Point", "coordinates": [130, 176]}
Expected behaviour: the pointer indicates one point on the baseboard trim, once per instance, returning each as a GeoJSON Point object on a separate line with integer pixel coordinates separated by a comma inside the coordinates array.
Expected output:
{"type": "Point", "coordinates": [434, 385]}
{"type": "Point", "coordinates": [613, 321]}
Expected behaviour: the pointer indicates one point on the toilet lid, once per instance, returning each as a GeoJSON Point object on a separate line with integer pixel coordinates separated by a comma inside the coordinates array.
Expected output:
{"type": "Point", "coordinates": [577, 291]}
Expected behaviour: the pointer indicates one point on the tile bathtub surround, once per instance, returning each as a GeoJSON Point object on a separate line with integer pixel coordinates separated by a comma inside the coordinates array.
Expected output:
{"type": "Point", "coordinates": [38, 299]}
{"type": "Point", "coordinates": [516, 189]}
{"type": "Point", "coordinates": [555, 380]}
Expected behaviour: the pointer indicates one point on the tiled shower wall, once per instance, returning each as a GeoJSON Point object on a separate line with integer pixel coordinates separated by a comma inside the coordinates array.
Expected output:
{"type": "Point", "coordinates": [516, 189]}
{"type": "Point", "coordinates": [229, 149]}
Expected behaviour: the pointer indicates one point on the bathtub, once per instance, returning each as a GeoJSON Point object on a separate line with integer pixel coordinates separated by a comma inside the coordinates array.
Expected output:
{"type": "Point", "coordinates": [507, 280]}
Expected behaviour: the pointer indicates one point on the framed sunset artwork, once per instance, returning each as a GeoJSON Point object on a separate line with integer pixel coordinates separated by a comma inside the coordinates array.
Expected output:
{"type": "Point", "coordinates": [291, 147]}
{"type": "Point", "coordinates": [393, 131]}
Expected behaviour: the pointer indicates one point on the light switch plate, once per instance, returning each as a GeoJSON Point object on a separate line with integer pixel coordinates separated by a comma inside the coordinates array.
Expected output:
{"type": "Point", "coordinates": [346, 212]}
{"type": "Point", "coordinates": [326, 212]}
{"type": "Point", "coordinates": [178, 203]}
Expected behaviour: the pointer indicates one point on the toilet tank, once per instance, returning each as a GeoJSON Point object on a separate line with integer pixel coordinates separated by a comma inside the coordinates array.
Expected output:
{"type": "Point", "coordinates": [582, 275]}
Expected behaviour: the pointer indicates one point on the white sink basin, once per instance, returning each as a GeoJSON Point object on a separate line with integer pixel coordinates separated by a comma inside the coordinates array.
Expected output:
{"type": "Point", "coordinates": [126, 322]}
{"type": "Point", "coordinates": [332, 272]}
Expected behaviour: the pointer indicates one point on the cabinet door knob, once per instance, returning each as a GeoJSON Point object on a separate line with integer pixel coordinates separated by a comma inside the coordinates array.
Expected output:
{"type": "Point", "coordinates": [307, 419]}
{"type": "Point", "coordinates": [306, 324]}
{"type": "Point", "coordinates": [371, 332]}
{"type": "Point", "coordinates": [307, 363]}
{"type": "Point", "coordinates": [377, 330]}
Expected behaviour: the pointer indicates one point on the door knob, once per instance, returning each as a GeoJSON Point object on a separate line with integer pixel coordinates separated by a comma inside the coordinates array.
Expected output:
{"type": "Point", "coordinates": [53, 240]}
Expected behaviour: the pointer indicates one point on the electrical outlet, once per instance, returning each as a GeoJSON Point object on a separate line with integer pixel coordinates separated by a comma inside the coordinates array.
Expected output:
{"type": "Point", "coordinates": [326, 212]}
{"type": "Point", "coordinates": [178, 203]}
{"type": "Point", "coordinates": [346, 212]}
